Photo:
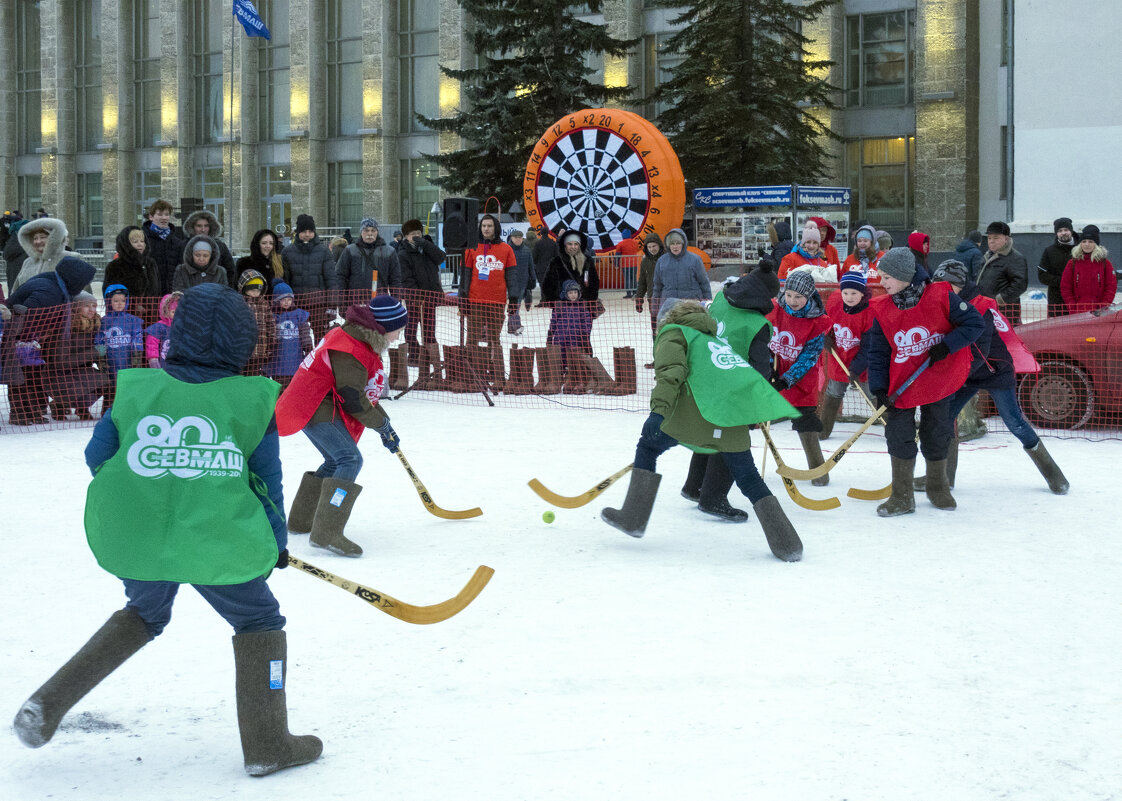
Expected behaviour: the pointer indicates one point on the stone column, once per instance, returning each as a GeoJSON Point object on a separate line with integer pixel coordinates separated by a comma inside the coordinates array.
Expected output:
{"type": "Point", "coordinates": [233, 64]}
{"type": "Point", "coordinates": [316, 165]}
{"type": "Point", "coordinates": [116, 50]}
{"type": "Point", "coordinates": [946, 87]}
{"type": "Point", "coordinates": [300, 65]}
{"type": "Point", "coordinates": [456, 53]}
{"type": "Point", "coordinates": [177, 101]}
{"type": "Point", "coordinates": [9, 194]}
{"type": "Point", "coordinates": [624, 20]}
{"type": "Point", "coordinates": [247, 173]}
{"type": "Point", "coordinates": [380, 77]}
{"type": "Point", "coordinates": [827, 41]}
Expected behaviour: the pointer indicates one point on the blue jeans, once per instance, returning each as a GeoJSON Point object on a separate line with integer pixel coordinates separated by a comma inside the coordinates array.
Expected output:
{"type": "Point", "coordinates": [247, 607]}
{"type": "Point", "coordinates": [341, 456]}
{"type": "Point", "coordinates": [740, 464]}
{"type": "Point", "coordinates": [1007, 406]}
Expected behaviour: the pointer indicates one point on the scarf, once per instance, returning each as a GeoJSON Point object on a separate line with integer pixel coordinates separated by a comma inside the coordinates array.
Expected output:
{"type": "Point", "coordinates": [908, 297]}
{"type": "Point", "coordinates": [162, 233]}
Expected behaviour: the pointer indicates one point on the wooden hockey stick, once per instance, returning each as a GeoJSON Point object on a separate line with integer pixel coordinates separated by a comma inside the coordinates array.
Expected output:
{"type": "Point", "coordinates": [427, 500]}
{"type": "Point", "coordinates": [575, 501]}
{"type": "Point", "coordinates": [419, 615]}
{"type": "Point", "coordinates": [789, 485]}
{"type": "Point", "coordinates": [853, 492]}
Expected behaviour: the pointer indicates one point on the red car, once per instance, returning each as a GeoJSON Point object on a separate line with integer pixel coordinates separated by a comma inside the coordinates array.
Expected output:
{"type": "Point", "coordinates": [1080, 380]}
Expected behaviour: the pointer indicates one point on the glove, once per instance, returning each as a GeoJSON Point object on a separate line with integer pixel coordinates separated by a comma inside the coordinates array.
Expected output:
{"type": "Point", "coordinates": [652, 426]}
{"type": "Point", "coordinates": [780, 383]}
{"type": "Point", "coordinates": [30, 354]}
{"type": "Point", "coordinates": [938, 352]}
{"type": "Point", "coordinates": [638, 304]}
{"type": "Point", "coordinates": [282, 559]}
{"type": "Point", "coordinates": [388, 435]}
{"type": "Point", "coordinates": [881, 397]}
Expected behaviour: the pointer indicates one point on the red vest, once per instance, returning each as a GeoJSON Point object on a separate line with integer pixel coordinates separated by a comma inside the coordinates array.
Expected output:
{"type": "Point", "coordinates": [314, 381]}
{"type": "Point", "coordinates": [872, 275]}
{"type": "Point", "coordinates": [488, 264]}
{"type": "Point", "coordinates": [1023, 361]}
{"type": "Point", "coordinates": [848, 329]}
{"type": "Point", "coordinates": [789, 336]}
{"type": "Point", "coordinates": [911, 333]}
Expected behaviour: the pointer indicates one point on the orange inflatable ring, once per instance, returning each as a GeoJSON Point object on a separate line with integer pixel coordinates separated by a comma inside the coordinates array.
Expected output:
{"type": "Point", "coordinates": [602, 170]}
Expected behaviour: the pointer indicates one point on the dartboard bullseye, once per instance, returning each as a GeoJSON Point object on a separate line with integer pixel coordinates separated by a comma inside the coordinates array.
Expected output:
{"type": "Point", "coordinates": [604, 171]}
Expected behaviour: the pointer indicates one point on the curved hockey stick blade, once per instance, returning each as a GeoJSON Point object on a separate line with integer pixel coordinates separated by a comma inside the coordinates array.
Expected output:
{"type": "Point", "coordinates": [870, 495]}
{"type": "Point", "coordinates": [427, 500]}
{"type": "Point", "coordinates": [575, 501]}
{"type": "Point", "coordinates": [835, 457]}
{"type": "Point", "coordinates": [789, 485]}
{"type": "Point", "coordinates": [419, 615]}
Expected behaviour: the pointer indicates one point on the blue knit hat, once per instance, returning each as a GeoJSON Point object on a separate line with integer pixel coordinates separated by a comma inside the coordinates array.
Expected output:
{"type": "Point", "coordinates": [853, 279]}
{"type": "Point", "coordinates": [389, 312]}
{"type": "Point", "coordinates": [282, 290]}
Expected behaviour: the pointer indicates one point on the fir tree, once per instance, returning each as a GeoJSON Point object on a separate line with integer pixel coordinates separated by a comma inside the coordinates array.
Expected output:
{"type": "Point", "coordinates": [737, 101]}
{"type": "Point", "coordinates": [533, 69]}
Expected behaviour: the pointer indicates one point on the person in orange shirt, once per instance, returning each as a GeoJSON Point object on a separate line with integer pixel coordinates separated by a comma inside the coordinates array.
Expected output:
{"type": "Point", "coordinates": [864, 257]}
{"type": "Point", "coordinates": [808, 253]}
{"type": "Point", "coordinates": [483, 284]}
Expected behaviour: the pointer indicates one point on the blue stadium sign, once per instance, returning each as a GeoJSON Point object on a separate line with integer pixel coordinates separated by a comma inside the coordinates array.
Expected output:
{"type": "Point", "coordinates": [732, 196]}
{"type": "Point", "coordinates": [823, 196]}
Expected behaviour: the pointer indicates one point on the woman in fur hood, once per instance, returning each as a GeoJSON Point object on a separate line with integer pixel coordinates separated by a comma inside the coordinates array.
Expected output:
{"type": "Point", "coordinates": [1088, 281]}
{"type": "Point", "coordinates": [44, 241]}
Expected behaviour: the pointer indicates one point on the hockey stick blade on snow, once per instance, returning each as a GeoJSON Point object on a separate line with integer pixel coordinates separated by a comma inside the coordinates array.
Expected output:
{"type": "Point", "coordinates": [789, 485]}
{"type": "Point", "coordinates": [418, 615]}
{"type": "Point", "coordinates": [427, 500]}
{"type": "Point", "coordinates": [860, 494]}
{"type": "Point", "coordinates": [575, 501]}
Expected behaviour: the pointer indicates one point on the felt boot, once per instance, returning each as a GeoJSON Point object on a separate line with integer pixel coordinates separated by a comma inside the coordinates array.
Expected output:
{"type": "Point", "coordinates": [399, 373]}
{"type": "Point", "coordinates": [814, 458]}
{"type": "Point", "coordinates": [937, 487]}
{"type": "Point", "coordinates": [521, 371]}
{"type": "Point", "coordinates": [781, 535]}
{"type": "Point", "coordinates": [432, 360]}
{"type": "Point", "coordinates": [549, 370]}
{"type": "Point", "coordinates": [303, 512]}
{"type": "Point", "coordinates": [600, 383]}
{"type": "Point", "coordinates": [632, 518]}
{"type": "Point", "coordinates": [902, 501]}
{"type": "Point", "coordinates": [455, 369]}
{"type": "Point", "coordinates": [714, 492]}
{"type": "Point", "coordinates": [261, 663]}
{"type": "Point", "coordinates": [828, 413]}
{"type": "Point", "coordinates": [498, 368]}
{"type": "Point", "coordinates": [624, 359]}
{"type": "Point", "coordinates": [336, 499]}
{"type": "Point", "coordinates": [1048, 468]}
{"type": "Point", "coordinates": [122, 636]}
{"type": "Point", "coordinates": [920, 482]}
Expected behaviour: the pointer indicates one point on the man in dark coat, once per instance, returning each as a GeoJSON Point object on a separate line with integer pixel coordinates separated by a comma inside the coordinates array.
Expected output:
{"type": "Point", "coordinates": [313, 277]}
{"type": "Point", "coordinates": [969, 252]}
{"type": "Point", "coordinates": [364, 257]}
{"type": "Point", "coordinates": [421, 290]}
{"type": "Point", "coordinates": [1052, 263]}
{"type": "Point", "coordinates": [544, 251]}
{"type": "Point", "coordinates": [1004, 273]}
{"type": "Point", "coordinates": [165, 242]}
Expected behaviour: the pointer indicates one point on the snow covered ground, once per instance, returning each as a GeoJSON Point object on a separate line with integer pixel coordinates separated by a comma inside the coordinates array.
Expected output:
{"type": "Point", "coordinates": [964, 655]}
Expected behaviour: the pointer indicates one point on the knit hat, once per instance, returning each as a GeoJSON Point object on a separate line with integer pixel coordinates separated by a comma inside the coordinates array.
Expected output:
{"type": "Point", "coordinates": [84, 297]}
{"type": "Point", "coordinates": [410, 226]}
{"type": "Point", "coordinates": [1090, 232]}
{"type": "Point", "coordinates": [884, 240]}
{"type": "Point", "coordinates": [898, 263]}
{"type": "Point", "coordinates": [1062, 222]}
{"type": "Point", "coordinates": [919, 242]}
{"type": "Point", "coordinates": [367, 222]}
{"type": "Point", "coordinates": [258, 282]}
{"type": "Point", "coordinates": [282, 290]}
{"type": "Point", "coordinates": [811, 234]}
{"type": "Point", "coordinates": [997, 227]}
{"type": "Point", "coordinates": [389, 312]}
{"type": "Point", "coordinates": [664, 309]}
{"type": "Point", "coordinates": [570, 237]}
{"type": "Point", "coordinates": [202, 244]}
{"type": "Point", "coordinates": [952, 271]}
{"type": "Point", "coordinates": [854, 279]}
{"type": "Point", "coordinates": [866, 231]}
{"type": "Point", "coordinates": [305, 222]}
{"type": "Point", "coordinates": [800, 281]}
{"type": "Point", "coordinates": [975, 237]}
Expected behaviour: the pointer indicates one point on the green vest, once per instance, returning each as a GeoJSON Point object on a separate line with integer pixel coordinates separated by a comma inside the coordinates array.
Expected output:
{"type": "Point", "coordinates": [175, 502]}
{"type": "Point", "coordinates": [738, 327]}
{"type": "Point", "coordinates": [724, 391]}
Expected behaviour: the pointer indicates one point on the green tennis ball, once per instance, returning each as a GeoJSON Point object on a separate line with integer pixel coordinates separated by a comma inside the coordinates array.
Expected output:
{"type": "Point", "coordinates": [548, 516]}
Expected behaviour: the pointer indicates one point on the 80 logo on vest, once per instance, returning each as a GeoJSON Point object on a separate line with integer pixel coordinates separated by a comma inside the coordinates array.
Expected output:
{"type": "Point", "coordinates": [185, 448]}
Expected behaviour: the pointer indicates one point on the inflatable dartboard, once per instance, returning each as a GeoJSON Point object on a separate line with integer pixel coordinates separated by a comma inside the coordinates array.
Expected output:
{"type": "Point", "coordinates": [602, 170]}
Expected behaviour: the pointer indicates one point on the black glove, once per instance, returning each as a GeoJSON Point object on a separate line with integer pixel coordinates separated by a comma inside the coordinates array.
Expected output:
{"type": "Point", "coordinates": [652, 425]}
{"type": "Point", "coordinates": [938, 352]}
{"type": "Point", "coordinates": [881, 397]}
{"type": "Point", "coordinates": [388, 435]}
{"type": "Point", "coordinates": [638, 304]}
{"type": "Point", "coordinates": [779, 382]}
{"type": "Point", "coordinates": [282, 560]}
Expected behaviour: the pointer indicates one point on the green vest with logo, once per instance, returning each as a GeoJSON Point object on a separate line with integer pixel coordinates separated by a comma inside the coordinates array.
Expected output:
{"type": "Point", "coordinates": [722, 396]}
{"type": "Point", "coordinates": [176, 501]}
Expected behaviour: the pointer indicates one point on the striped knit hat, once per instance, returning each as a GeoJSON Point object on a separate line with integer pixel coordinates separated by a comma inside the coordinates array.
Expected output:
{"type": "Point", "coordinates": [389, 312]}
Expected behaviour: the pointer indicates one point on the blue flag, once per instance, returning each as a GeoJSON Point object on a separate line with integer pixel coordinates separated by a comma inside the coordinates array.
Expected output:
{"type": "Point", "coordinates": [247, 15]}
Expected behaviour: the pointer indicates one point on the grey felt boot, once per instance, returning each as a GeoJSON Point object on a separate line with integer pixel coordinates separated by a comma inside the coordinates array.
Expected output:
{"type": "Point", "coordinates": [903, 499]}
{"type": "Point", "coordinates": [781, 535]}
{"type": "Point", "coordinates": [920, 482]}
{"type": "Point", "coordinates": [814, 458]}
{"type": "Point", "coordinates": [632, 518]}
{"type": "Point", "coordinates": [261, 661]}
{"type": "Point", "coordinates": [828, 412]}
{"type": "Point", "coordinates": [303, 512]}
{"type": "Point", "coordinates": [336, 499]}
{"type": "Point", "coordinates": [122, 636]}
{"type": "Point", "coordinates": [938, 487]}
{"type": "Point", "coordinates": [1057, 482]}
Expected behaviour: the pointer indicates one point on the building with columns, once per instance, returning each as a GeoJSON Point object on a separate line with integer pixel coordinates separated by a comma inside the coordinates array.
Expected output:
{"type": "Point", "coordinates": [951, 112]}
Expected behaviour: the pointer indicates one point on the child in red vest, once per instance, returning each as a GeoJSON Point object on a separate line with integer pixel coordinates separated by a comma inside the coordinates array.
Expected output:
{"type": "Point", "coordinates": [849, 311]}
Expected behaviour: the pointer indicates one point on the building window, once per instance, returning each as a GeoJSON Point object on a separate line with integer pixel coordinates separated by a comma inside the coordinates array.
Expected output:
{"type": "Point", "coordinates": [212, 190]}
{"type": "Point", "coordinates": [87, 73]}
{"type": "Point", "coordinates": [276, 197]}
{"type": "Point", "coordinates": [146, 66]}
{"type": "Point", "coordinates": [28, 66]}
{"type": "Point", "coordinates": [418, 192]}
{"type": "Point", "coordinates": [344, 194]}
{"type": "Point", "coordinates": [89, 205]}
{"type": "Point", "coordinates": [881, 176]}
{"type": "Point", "coordinates": [657, 64]}
{"type": "Point", "coordinates": [418, 43]}
{"type": "Point", "coordinates": [274, 76]}
{"type": "Point", "coordinates": [207, 20]}
{"type": "Point", "coordinates": [1006, 33]}
{"type": "Point", "coordinates": [29, 189]}
{"type": "Point", "coordinates": [344, 67]}
{"type": "Point", "coordinates": [879, 54]}
{"type": "Point", "coordinates": [148, 190]}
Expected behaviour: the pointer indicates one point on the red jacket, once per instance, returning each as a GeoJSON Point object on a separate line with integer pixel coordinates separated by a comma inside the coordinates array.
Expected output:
{"type": "Point", "coordinates": [488, 263]}
{"type": "Point", "coordinates": [1088, 282]}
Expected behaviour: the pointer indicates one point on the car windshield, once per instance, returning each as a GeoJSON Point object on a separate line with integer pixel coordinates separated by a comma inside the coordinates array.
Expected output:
{"type": "Point", "coordinates": [1113, 308]}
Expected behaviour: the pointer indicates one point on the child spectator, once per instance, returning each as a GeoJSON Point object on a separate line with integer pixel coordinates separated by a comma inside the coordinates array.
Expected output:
{"type": "Point", "coordinates": [200, 265]}
{"type": "Point", "coordinates": [848, 310]}
{"type": "Point", "coordinates": [807, 254]}
{"type": "Point", "coordinates": [571, 331]}
{"type": "Point", "coordinates": [294, 336]}
{"type": "Point", "coordinates": [74, 382]}
{"type": "Point", "coordinates": [864, 257]}
{"type": "Point", "coordinates": [156, 339]}
{"type": "Point", "coordinates": [800, 334]}
{"type": "Point", "coordinates": [252, 286]}
{"type": "Point", "coordinates": [1088, 281]}
{"type": "Point", "coordinates": [120, 341]}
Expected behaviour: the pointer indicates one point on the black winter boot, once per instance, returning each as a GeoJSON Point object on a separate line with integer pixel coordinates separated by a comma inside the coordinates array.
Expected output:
{"type": "Point", "coordinates": [632, 518]}
{"type": "Point", "coordinates": [691, 490]}
{"type": "Point", "coordinates": [781, 535]}
{"type": "Point", "coordinates": [828, 412]}
{"type": "Point", "coordinates": [938, 487]}
{"type": "Point", "coordinates": [336, 499]}
{"type": "Point", "coordinates": [122, 636]}
{"type": "Point", "coordinates": [303, 512]}
{"type": "Point", "coordinates": [261, 660]}
{"type": "Point", "coordinates": [1057, 482]}
{"type": "Point", "coordinates": [814, 458]}
{"type": "Point", "coordinates": [903, 499]}
{"type": "Point", "coordinates": [714, 492]}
